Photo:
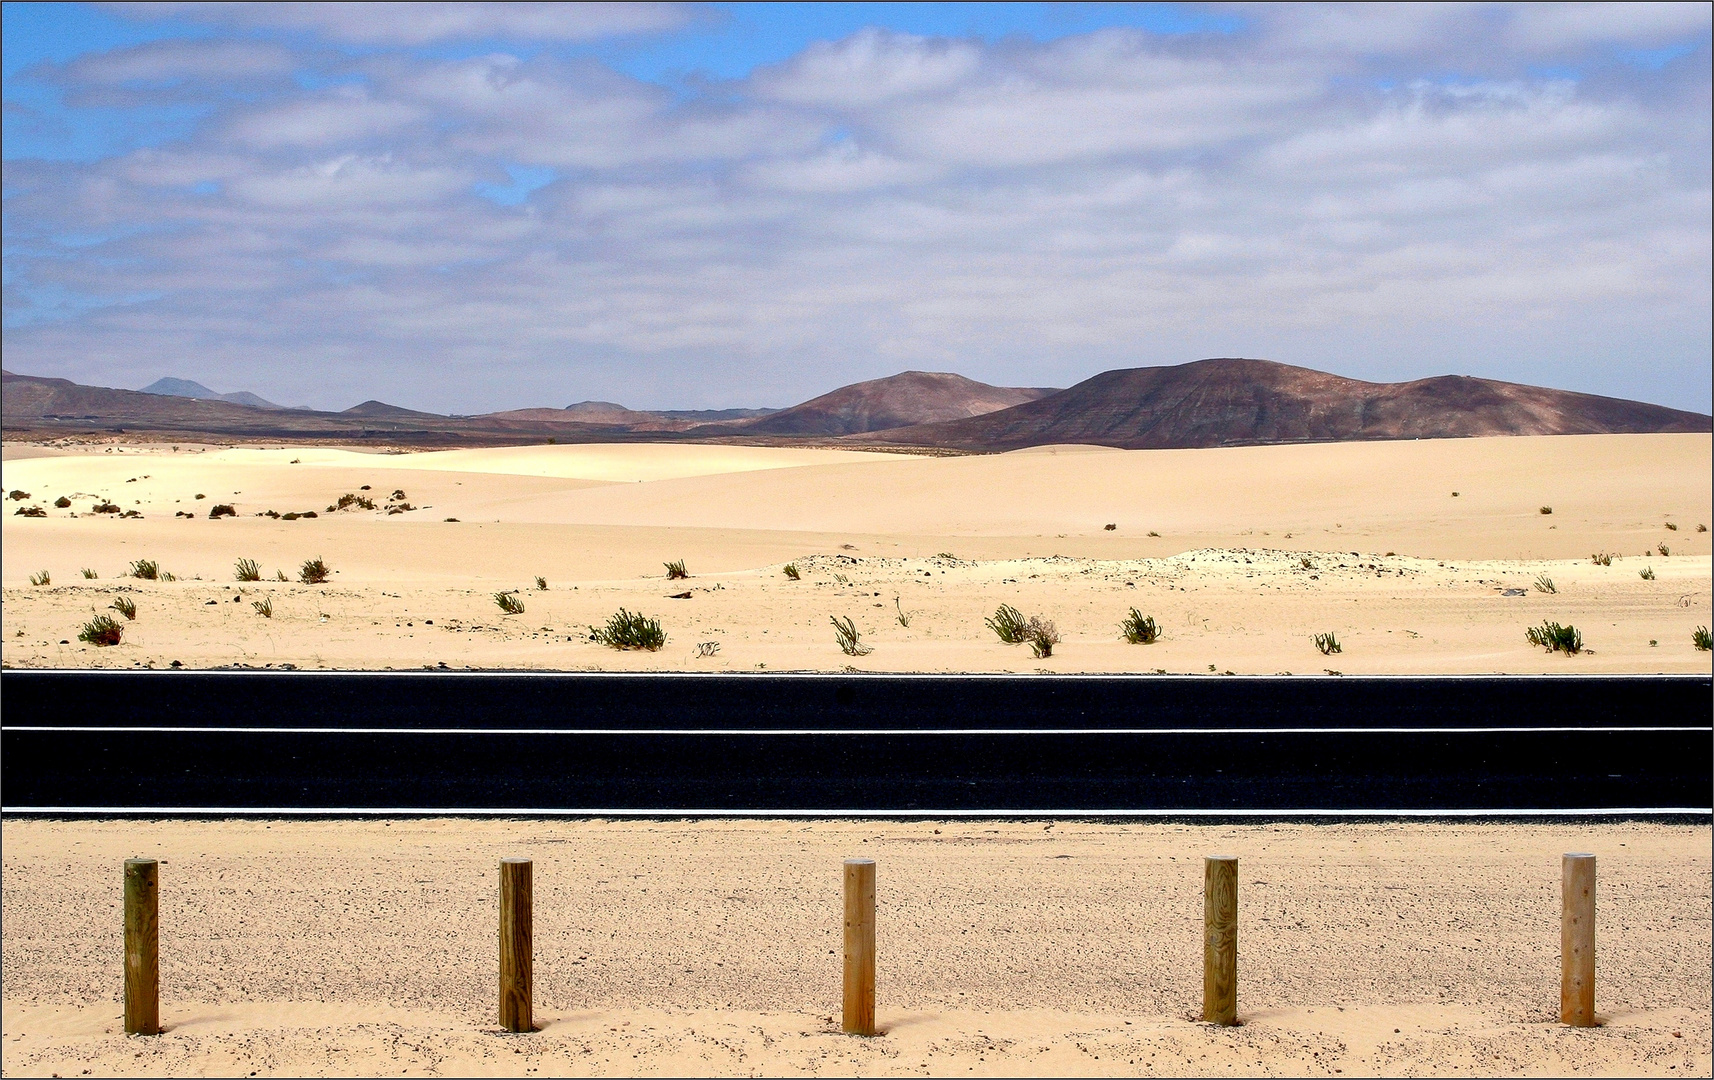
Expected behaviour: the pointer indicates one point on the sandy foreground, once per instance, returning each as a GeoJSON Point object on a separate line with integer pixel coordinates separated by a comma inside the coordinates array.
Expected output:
{"type": "Point", "coordinates": [1240, 555]}
{"type": "Point", "coordinates": [662, 947]}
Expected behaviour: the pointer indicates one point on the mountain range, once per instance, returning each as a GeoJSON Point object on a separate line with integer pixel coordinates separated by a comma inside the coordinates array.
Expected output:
{"type": "Point", "coordinates": [1216, 402]}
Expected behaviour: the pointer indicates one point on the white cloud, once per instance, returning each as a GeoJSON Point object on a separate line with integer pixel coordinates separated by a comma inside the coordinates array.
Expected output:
{"type": "Point", "coordinates": [401, 23]}
{"type": "Point", "coordinates": [1025, 213]}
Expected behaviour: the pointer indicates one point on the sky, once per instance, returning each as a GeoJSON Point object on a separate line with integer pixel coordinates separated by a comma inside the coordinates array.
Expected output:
{"type": "Point", "coordinates": [472, 207]}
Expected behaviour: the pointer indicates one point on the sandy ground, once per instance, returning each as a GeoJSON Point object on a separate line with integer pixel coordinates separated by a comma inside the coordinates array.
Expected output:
{"type": "Point", "coordinates": [1240, 555]}
{"type": "Point", "coordinates": [712, 948]}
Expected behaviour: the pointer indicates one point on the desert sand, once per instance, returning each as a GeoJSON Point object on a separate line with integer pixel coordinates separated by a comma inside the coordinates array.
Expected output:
{"type": "Point", "coordinates": [1421, 556]}
{"type": "Point", "coordinates": [1006, 948]}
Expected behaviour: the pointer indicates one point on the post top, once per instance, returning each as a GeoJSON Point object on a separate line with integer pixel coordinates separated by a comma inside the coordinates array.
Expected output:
{"type": "Point", "coordinates": [1578, 855]}
{"type": "Point", "coordinates": [142, 862]}
{"type": "Point", "coordinates": [1221, 858]}
{"type": "Point", "coordinates": [859, 862]}
{"type": "Point", "coordinates": [524, 861]}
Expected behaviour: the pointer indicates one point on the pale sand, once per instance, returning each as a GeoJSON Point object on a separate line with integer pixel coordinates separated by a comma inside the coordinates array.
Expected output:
{"type": "Point", "coordinates": [1410, 578]}
{"type": "Point", "coordinates": [712, 948]}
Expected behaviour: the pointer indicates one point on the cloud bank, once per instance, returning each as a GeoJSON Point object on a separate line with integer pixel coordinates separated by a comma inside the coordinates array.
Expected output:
{"type": "Point", "coordinates": [1515, 192]}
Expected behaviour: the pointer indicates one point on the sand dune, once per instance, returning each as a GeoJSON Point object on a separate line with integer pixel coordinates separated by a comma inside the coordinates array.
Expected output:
{"type": "Point", "coordinates": [1241, 554]}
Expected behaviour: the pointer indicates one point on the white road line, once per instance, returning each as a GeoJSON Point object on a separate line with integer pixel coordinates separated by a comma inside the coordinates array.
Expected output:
{"type": "Point", "coordinates": [604, 812]}
{"type": "Point", "coordinates": [838, 731]}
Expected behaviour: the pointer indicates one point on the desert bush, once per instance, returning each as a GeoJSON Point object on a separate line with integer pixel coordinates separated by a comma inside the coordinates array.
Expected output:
{"type": "Point", "coordinates": [676, 570]}
{"type": "Point", "coordinates": [145, 570]}
{"type": "Point", "coordinates": [264, 607]}
{"type": "Point", "coordinates": [350, 499]}
{"type": "Point", "coordinates": [629, 630]}
{"type": "Point", "coordinates": [1547, 509]}
{"type": "Point", "coordinates": [41, 577]}
{"type": "Point", "coordinates": [1646, 573]}
{"type": "Point", "coordinates": [313, 572]}
{"type": "Point", "coordinates": [280, 575]}
{"type": "Point", "coordinates": [791, 571]}
{"type": "Point", "coordinates": [1556, 638]}
{"type": "Point", "coordinates": [850, 642]}
{"type": "Point", "coordinates": [1670, 527]}
{"type": "Point", "coordinates": [903, 616]}
{"type": "Point", "coordinates": [102, 630]}
{"type": "Point", "coordinates": [89, 575]}
{"type": "Point", "coordinates": [1545, 584]}
{"type": "Point", "coordinates": [104, 508]}
{"type": "Point", "coordinates": [1306, 563]}
{"type": "Point", "coordinates": [402, 508]}
{"type": "Point", "coordinates": [62, 502]}
{"type": "Point", "coordinates": [1153, 533]}
{"type": "Point", "coordinates": [168, 577]}
{"type": "Point", "coordinates": [707, 648]}
{"type": "Point", "coordinates": [247, 570]}
{"type": "Point", "coordinates": [1701, 528]}
{"type": "Point", "coordinates": [397, 496]}
{"type": "Point", "coordinates": [1601, 558]}
{"type": "Point", "coordinates": [30, 511]}
{"type": "Point", "coordinates": [1699, 638]}
{"type": "Point", "coordinates": [1663, 549]}
{"type": "Point", "coordinates": [1139, 630]}
{"type": "Point", "coordinates": [1042, 636]}
{"type": "Point", "coordinates": [125, 606]}
{"type": "Point", "coordinates": [200, 495]}
{"type": "Point", "coordinates": [220, 510]}
{"type": "Point", "coordinates": [541, 583]}
{"type": "Point", "coordinates": [1328, 643]}
{"type": "Point", "coordinates": [1109, 527]}
{"type": "Point", "coordinates": [1008, 624]}
{"type": "Point", "coordinates": [18, 495]}
{"type": "Point", "coordinates": [509, 603]}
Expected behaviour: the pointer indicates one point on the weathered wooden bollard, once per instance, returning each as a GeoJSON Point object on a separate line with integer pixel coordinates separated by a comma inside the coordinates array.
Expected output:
{"type": "Point", "coordinates": [1577, 940]}
{"type": "Point", "coordinates": [142, 948]}
{"type": "Point", "coordinates": [1220, 939]}
{"type": "Point", "coordinates": [516, 949]}
{"type": "Point", "coordinates": [860, 946]}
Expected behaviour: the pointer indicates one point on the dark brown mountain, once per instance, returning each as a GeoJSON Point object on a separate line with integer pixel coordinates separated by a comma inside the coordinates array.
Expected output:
{"type": "Point", "coordinates": [910, 397]}
{"type": "Point", "coordinates": [1234, 402]}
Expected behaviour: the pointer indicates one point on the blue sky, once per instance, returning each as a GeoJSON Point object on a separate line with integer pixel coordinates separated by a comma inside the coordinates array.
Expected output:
{"type": "Point", "coordinates": [462, 207]}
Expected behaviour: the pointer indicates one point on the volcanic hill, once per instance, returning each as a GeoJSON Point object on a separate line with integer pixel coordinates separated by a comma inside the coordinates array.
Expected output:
{"type": "Point", "coordinates": [910, 397]}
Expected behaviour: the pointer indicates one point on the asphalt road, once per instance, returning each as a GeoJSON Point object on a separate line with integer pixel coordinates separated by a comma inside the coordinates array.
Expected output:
{"type": "Point", "coordinates": [310, 742]}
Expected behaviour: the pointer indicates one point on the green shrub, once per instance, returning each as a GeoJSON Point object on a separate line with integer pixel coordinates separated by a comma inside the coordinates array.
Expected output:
{"type": "Point", "coordinates": [1328, 643]}
{"type": "Point", "coordinates": [347, 500]}
{"type": "Point", "coordinates": [1663, 549]}
{"type": "Point", "coordinates": [509, 603]}
{"type": "Point", "coordinates": [146, 570]}
{"type": "Point", "coordinates": [247, 570]}
{"type": "Point", "coordinates": [1556, 638]}
{"type": "Point", "coordinates": [1139, 630]}
{"type": "Point", "coordinates": [850, 643]}
{"type": "Point", "coordinates": [62, 502]}
{"type": "Point", "coordinates": [1602, 558]}
{"type": "Point", "coordinates": [791, 571]}
{"type": "Point", "coordinates": [220, 510]}
{"type": "Point", "coordinates": [125, 606]}
{"type": "Point", "coordinates": [1009, 624]}
{"type": "Point", "coordinates": [102, 630]}
{"type": "Point", "coordinates": [1671, 527]}
{"type": "Point", "coordinates": [264, 607]}
{"type": "Point", "coordinates": [541, 583]}
{"type": "Point", "coordinates": [313, 572]}
{"type": "Point", "coordinates": [104, 508]}
{"type": "Point", "coordinates": [1042, 636]}
{"type": "Point", "coordinates": [1646, 573]}
{"type": "Point", "coordinates": [89, 575]}
{"type": "Point", "coordinates": [676, 570]}
{"type": "Point", "coordinates": [1699, 638]}
{"type": "Point", "coordinates": [41, 577]}
{"type": "Point", "coordinates": [1544, 584]}
{"type": "Point", "coordinates": [904, 616]}
{"type": "Point", "coordinates": [628, 630]}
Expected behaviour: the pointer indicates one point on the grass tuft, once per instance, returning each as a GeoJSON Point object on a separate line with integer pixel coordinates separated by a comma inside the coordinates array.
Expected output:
{"type": "Point", "coordinates": [264, 607]}
{"type": "Point", "coordinates": [350, 499]}
{"type": "Point", "coordinates": [1699, 638]}
{"type": "Point", "coordinates": [1646, 573]}
{"type": "Point", "coordinates": [541, 583]}
{"type": "Point", "coordinates": [104, 508]}
{"type": "Point", "coordinates": [1545, 584]}
{"type": "Point", "coordinates": [676, 570]}
{"type": "Point", "coordinates": [845, 633]}
{"type": "Point", "coordinates": [280, 575]}
{"type": "Point", "coordinates": [1602, 558]}
{"type": "Point", "coordinates": [1670, 527]}
{"type": "Point", "coordinates": [1008, 624]}
{"type": "Point", "coordinates": [629, 630]}
{"type": "Point", "coordinates": [102, 630]}
{"type": "Point", "coordinates": [313, 572]}
{"type": "Point", "coordinates": [145, 570]}
{"type": "Point", "coordinates": [1556, 638]}
{"type": "Point", "coordinates": [903, 616]}
{"type": "Point", "coordinates": [247, 570]}
{"type": "Point", "coordinates": [41, 577]}
{"type": "Point", "coordinates": [125, 606]}
{"type": "Point", "coordinates": [88, 574]}
{"type": "Point", "coordinates": [1547, 509]}
{"type": "Point", "coordinates": [1328, 643]}
{"type": "Point", "coordinates": [791, 571]}
{"type": "Point", "coordinates": [509, 603]}
{"type": "Point", "coordinates": [1663, 549]}
{"type": "Point", "coordinates": [1139, 630]}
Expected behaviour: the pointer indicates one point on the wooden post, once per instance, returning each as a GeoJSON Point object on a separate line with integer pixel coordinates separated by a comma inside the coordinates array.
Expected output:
{"type": "Point", "coordinates": [142, 948]}
{"type": "Point", "coordinates": [860, 946]}
{"type": "Point", "coordinates": [1577, 940]}
{"type": "Point", "coordinates": [1220, 939]}
{"type": "Point", "coordinates": [516, 950]}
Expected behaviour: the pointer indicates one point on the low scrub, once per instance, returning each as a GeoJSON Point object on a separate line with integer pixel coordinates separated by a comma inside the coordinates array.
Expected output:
{"type": "Point", "coordinates": [1699, 638]}
{"type": "Point", "coordinates": [1646, 573]}
{"type": "Point", "coordinates": [509, 603]}
{"type": "Point", "coordinates": [62, 503]}
{"type": "Point", "coordinates": [18, 495]}
{"type": "Point", "coordinates": [350, 499]}
{"type": "Point", "coordinates": [125, 606]}
{"type": "Point", "coordinates": [88, 574]}
{"type": "Point", "coordinates": [104, 508]}
{"type": "Point", "coordinates": [1008, 624]}
{"type": "Point", "coordinates": [313, 572]}
{"type": "Point", "coordinates": [1139, 630]}
{"type": "Point", "coordinates": [1556, 638]}
{"type": "Point", "coordinates": [29, 511]}
{"type": "Point", "coordinates": [1544, 584]}
{"type": "Point", "coordinates": [247, 570]}
{"type": "Point", "coordinates": [102, 630]}
{"type": "Point", "coordinates": [541, 584]}
{"type": "Point", "coordinates": [220, 510]}
{"type": "Point", "coordinates": [1328, 643]}
{"type": "Point", "coordinates": [791, 571]}
{"type": "Point", "coordinates": [145, 570]}
{"type": "Point", "coordinates": [1547, 509]}
{"type": "Point", "coordinates": [264, 607]}
{"type": "Point", "coordinates": [849, 641]}
{"type": "Point", "coordinates": [629, 630]}
{"type": "Point", "coordinates": [1663, 549]}
{"type": "Point", "coordinates": [676, 570]}
{"type": "Point", "coordinates": [1042, 636]}
{"type": "Point", "coordinates": [1602, 558]}
{"type": "Point", "coordinates": [41, 577]}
